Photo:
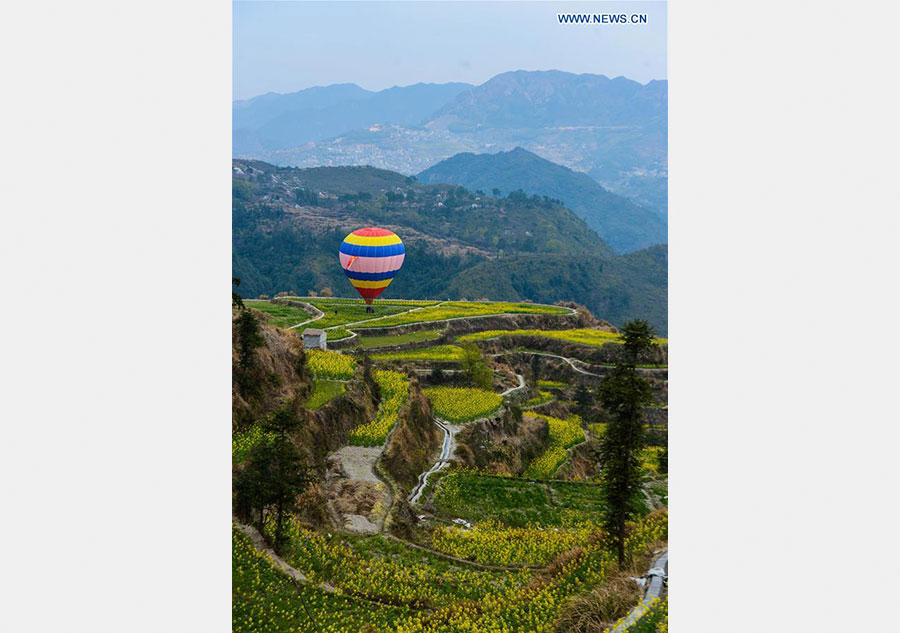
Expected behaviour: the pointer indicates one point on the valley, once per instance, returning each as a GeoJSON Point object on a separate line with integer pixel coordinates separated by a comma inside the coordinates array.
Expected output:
{"type": "Point", "coordinates": [452, 475]}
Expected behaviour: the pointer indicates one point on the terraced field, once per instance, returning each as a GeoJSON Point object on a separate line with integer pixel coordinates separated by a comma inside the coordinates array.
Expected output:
{"type": "Point", "coordinates": [460, 309]}
{"type": "Point", "coordinates": [462, 404]}
{"type": "Point", "coordinates": [393, 394]}
{"type": "Point", "coordinates": [563, 435]}
{"type": "Point", "coordinates": [499, 554]}
{"type": "Point", "coordinates": [441, 353]}
{"type": "Point", "coordinates": [281, 315]}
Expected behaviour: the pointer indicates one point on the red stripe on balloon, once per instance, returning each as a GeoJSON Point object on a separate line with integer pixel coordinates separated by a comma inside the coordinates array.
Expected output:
{"type": "Point", "coordinates": [372, 231]}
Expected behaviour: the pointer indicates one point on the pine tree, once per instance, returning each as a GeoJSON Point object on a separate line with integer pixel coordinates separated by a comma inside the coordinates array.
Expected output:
{"type": "Point", "coordinates": [583, 402]}
{"type": "Point", "coordinates": [274, 476]}
{"type": "Point", "coordinates": [623, 394]}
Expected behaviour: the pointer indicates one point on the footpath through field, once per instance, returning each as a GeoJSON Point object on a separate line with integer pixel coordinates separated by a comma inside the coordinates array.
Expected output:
{"type": "Point", "coordinates": [449, 445]}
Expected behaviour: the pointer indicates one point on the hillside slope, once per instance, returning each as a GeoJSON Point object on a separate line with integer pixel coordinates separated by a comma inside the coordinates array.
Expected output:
{"type": "Point", "coordinates": [622, 224]}
{"type": "Point", "coordinates": [288, 224]}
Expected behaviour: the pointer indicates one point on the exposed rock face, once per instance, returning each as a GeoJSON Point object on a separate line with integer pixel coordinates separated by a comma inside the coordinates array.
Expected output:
{"type": "Point", "coordinates": [503, 444]}
{"type": "Point", "coordinates": [282, 378]}
{"type": "Point", "coordinates": [277, 373]}
{"type": "Point", "coordinates": [415, 441]}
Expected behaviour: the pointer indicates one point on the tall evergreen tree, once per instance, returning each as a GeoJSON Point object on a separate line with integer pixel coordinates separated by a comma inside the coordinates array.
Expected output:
{"type": "Point", "coordinates": [583, 402]}
{"type": "Point", "coordinates": [274, 476]}
{"type": "Point", "coordinates": [236, 300]}
{"type": "Point", "coordinates": [623, 394]}
{"type": "Point", "coordinates": [248, 339]}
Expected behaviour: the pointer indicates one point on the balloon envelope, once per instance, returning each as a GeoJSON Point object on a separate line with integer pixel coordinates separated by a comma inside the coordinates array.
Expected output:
{"type": "Point", "coordinates": [370, 258]}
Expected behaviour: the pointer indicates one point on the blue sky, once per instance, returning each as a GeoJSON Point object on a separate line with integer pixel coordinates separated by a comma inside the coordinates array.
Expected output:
{"type": "Point", "coordinates": [288, 46]}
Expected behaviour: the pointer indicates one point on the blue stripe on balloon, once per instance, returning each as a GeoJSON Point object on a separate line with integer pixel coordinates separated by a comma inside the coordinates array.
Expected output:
{"type": "Point", "coordinates": [372, 251]}
{"type": "Point", "coordinates": [352, 274]}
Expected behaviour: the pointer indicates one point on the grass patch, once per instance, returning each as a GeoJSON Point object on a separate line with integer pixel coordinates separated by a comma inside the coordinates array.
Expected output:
{"type": "Point", "coordinates": [371, 342]}
{"type": "Point", "coordinates": [515, 502]}
{"type": "Point", "coordinates": [462, 404]}
{"type": "Point", "coordinates": [552, 384]}
{"type": "Point", "coordinates": [343, 311]}
{"type": "Point", "coordinates": [280, 315]}
{"type": "Point", "coordinates": [323, 392]}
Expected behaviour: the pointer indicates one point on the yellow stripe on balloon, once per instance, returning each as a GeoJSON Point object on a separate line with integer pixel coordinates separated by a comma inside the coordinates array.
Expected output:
{"type": "Point", "coordinates": [381, 283]}
{"type": "Point", "coordinates": [381, 240]}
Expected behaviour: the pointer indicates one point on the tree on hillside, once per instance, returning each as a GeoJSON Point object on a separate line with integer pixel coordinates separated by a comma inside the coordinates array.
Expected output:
{"type": "Point", "coordinates": [475, 367]}
{"type": "Point", "coordinates": [623, 394]}
{"type": "Point", "coordinates": [583, 402]}
{"type": "Point", "coordinates": [248, 339]}
{"type": "Point", "coordinates": [275, 475]}
{"type": "Point", "coordinates": [236, 300]}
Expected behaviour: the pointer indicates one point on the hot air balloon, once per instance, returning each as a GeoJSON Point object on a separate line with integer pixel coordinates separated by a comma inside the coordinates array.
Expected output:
{"type": "Point", "coordinates": [370, 258]}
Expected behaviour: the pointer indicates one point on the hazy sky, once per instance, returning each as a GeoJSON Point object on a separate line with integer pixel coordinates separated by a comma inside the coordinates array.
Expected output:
{"type": "Point", "coordinates": [288, 46]}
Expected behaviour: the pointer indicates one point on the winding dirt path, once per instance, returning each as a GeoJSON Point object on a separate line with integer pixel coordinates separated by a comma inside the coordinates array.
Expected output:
{"type": "Point", "coordinates": [449, 445]}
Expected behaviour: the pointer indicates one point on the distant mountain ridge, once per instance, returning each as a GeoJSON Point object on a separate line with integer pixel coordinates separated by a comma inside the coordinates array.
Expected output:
{"type": "Point", "coordinates": [622, 224]}
{"type": "Point", "coordinates": [277, 121]}
{"type": "Point", "coordinates": [554, 98]}
{"type": "Point", "coordinates": [615, 130]}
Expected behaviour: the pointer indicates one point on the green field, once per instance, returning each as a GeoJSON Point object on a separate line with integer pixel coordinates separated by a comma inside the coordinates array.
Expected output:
{"type": "Point", "coordinates": [323, 392]}
{"type": "Point", "coordinates": [372, 342]}
{"type": "Point", "coordinates": [280, 315]}
{"type": "Point", "coordinates": [551, 384]}
{"type": "Point", "coordinates": [342, 312]}
{"type": "Point", "coordinates": [515, 502]}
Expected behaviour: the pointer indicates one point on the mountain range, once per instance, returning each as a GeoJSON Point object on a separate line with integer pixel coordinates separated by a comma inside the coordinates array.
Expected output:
{"type": "Point", "coordinates": [614, 130]}
{"type": "Point", "coordinates": [622, 224]}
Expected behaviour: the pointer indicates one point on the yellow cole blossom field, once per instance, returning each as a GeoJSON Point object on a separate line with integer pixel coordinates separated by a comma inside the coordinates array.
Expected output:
{"type": "Point", "coordinates": [394, 391]}
{"type": "Point", "coordinates": [462, 404]}
{"type": "Point", "coordinates": [376, 595]}
{"type": "Point", "coordinates": [458, 309]}
{"type": "Point", "coordinates": [491, 543]}
{"type": "Point", "coordinates": [563, 434]}
{"type": "Point", "coordinates": [446, 353]}
{"type": "Point", "coordinates": [330, 364]}
{"type": "Point", "coordinates": [581, 336]}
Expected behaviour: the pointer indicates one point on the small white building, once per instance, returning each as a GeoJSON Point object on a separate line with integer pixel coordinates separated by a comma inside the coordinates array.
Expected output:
{"type": "Point", "coordinates": [313, 338]}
